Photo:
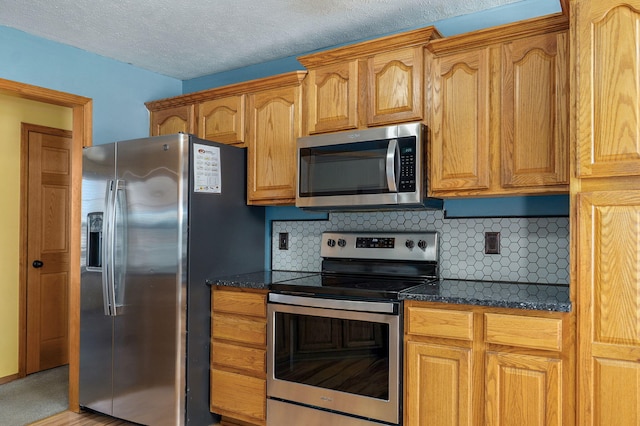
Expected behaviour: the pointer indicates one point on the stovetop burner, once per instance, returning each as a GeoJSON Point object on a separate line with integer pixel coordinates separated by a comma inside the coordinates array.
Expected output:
{"type": "Point", "coordinates": [371, 266]}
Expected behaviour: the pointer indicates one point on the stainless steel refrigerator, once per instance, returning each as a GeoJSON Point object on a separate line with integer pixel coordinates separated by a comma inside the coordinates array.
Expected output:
{"type": "Point", "coordinates": [160, 216]}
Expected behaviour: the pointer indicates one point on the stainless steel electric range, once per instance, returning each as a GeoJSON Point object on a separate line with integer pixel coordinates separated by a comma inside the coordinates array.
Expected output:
{"type": "Point", "coordinates": [335, 338]}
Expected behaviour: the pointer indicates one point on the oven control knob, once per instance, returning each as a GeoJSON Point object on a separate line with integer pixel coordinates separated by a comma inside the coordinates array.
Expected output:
{"type": "Point", "coordinates": [341, 242]}
{"type": "Point", "coordinates": [422, 244]}
{"type": "Point", "coordinates": [331, 242]}
{"type": "Point", "coordinates": [409, 244]}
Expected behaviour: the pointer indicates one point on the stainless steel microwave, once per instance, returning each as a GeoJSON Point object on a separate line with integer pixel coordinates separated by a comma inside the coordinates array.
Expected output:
{"type": "Point", "coordinates": [377, 168]}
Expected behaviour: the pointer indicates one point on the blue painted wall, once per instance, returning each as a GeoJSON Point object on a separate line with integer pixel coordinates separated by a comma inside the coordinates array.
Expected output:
{"type": "Point", "coordinates": [118, 90]}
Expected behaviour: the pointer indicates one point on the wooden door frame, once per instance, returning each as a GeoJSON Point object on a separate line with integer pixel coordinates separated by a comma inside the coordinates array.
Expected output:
{"type": "Point", "coordinates": [82, 112]}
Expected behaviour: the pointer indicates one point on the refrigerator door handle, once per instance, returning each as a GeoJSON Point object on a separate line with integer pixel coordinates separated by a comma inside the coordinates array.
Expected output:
{"type": "Point", "coordinates": [107, 248]}
{"type": "Point", "coordinates": [118, 246]}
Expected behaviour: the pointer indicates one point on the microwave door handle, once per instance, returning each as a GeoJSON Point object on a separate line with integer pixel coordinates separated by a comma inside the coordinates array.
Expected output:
{"type": "Point", "coordinates": [392, 155]}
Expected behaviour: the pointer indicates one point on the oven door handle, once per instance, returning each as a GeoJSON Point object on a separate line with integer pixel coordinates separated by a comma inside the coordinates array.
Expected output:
{"type": "Point", "coordinates": [346, 305]}
{"type": "Point", "coordinates": [393, 167]}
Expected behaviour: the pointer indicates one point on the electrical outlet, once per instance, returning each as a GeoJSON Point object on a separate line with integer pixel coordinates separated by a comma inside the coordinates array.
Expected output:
{"type": "Point", "coordinates": [283, 241]}
{"type": "Point", "coordinates": [492, 243]}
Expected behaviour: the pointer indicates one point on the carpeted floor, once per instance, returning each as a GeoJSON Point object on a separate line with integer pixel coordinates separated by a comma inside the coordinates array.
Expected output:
{"type": "Point", "coordinates": [35, 397]}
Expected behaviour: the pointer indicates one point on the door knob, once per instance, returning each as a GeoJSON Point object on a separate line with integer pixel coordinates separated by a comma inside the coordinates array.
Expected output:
{"type": "Point", "coordinates": [37, 264]}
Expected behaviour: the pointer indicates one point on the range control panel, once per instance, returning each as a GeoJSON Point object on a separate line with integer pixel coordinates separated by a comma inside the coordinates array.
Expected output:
{"type": "Point", "coordinates": [411, 246]}
{"type": "Point", "coordinates": [372, 242]}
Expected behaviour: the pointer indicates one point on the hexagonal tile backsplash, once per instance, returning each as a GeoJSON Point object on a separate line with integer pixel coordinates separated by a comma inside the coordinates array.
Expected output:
{"type": "Point", "coordinates": [531, 249]}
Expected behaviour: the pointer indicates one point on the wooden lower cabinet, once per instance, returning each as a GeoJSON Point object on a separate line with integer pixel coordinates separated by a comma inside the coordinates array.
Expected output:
{"type": "Point", "coordinates": [238, 356]}
{"type": "Point", "coordinates": [244, 397]}
{"type": "Point", "coordinates": [523, 389]}
{"type": "Point", "coordinates": [608, 274]}
{"type": "Point", "coordinates": [438, 385]}
{"type": "Point", "coordinates": [471, 365]}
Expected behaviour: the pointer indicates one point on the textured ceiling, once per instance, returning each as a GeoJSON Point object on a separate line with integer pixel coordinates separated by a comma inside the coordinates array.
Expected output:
{"type": "Point", "coordinates": [190, 38]}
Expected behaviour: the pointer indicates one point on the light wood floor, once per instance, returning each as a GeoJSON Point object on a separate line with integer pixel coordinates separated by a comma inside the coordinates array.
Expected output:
{"type": "Point", "coordinates": [69, 418]}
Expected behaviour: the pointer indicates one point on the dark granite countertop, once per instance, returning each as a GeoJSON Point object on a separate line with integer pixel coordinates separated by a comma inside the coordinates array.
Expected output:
{"type": "Point", "coordinates": [545, 297]}
{"type": "Point", "coordinates": [258, 279]}
{"type": "Point", "coordinates": [499, 294]}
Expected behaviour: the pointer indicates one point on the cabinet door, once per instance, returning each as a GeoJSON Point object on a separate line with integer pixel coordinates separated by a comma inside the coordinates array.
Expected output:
{"type": "Point", "coordinates": [608, 87]}
{"type": "Point", "coordinates": [535, 112]}
{"type": "Point", "coordinates": [331, 96]}
{"type": "Point", "coordinates": [395, 86]}
{"type": "Point", "coordinates": [523, 390]}
{"type": "Point", "coordinates": [274, 126]}
{"type": "Point", "coordinates": [173, 120]}
{"type": "Point", "coordinates": [222, 120]}
{"type": "Point", "coordinates": [460, 114]}
{"type": "Point", "coordinates": [609, 308]}
{"type": "Point", "coordinates": [438, 385]}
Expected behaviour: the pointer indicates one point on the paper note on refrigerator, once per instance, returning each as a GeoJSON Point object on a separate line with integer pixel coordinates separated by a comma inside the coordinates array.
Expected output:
{"type": "Point", "coordinates": [206, 169]}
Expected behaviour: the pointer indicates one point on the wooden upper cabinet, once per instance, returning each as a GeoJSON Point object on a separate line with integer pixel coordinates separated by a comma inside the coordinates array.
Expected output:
{"type": "Point", "coordinates": [459, 121]}
{"type": "Point", "coordinates": [173, 120]}
{"type": "Point", "coordinates": [222, 120]}
{"type": "Point", "coordinates": [263, 115]}
{"type": "Point", "coordinates": [395, 86]}
{"type": "Point", "coordinates": [331, 96]}
{"type": "Point", "coordinates": [274, 125]}
{"type": "Point", "coordinates": [608, 88]}
{"type": "Point", "coordinates": [535, 111]}
{"type": "Point", "coordinates": [499, 110]}
{"type": "Point", "coordinates": [371, 83]}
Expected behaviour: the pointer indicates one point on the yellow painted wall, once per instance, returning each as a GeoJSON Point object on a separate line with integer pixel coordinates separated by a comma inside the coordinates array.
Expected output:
{"type": "Point", "coordinates": [13, 111]}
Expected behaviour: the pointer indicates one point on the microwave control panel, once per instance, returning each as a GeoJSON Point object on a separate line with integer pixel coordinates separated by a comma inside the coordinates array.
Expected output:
{"type": "Point", "coordinates": [407, 147]}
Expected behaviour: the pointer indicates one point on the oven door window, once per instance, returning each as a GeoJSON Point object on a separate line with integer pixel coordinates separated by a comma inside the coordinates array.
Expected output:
{"type": "Point", "coordinates": [338, 354]}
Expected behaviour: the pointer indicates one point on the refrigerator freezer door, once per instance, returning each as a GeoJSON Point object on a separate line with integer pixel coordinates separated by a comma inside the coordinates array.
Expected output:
{"type": "Point", "coordinates": [95, 327]}
{"type": "Point", "coordinates": [150, 269]}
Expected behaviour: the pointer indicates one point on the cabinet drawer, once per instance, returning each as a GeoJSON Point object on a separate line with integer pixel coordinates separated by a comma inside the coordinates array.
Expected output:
{"type": "Point", "coordinates": [239, 329]}
{"type": "Point", "coordinates": [529, 332]}
{"type": "Point", "coordinates": [239, 357]}
{"type": "Point", "coordinates": [236, 393]}
{"type": "Point", "coordinates": [237, 302]}
{"type": "Point", "coordinates": [440, 323]}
